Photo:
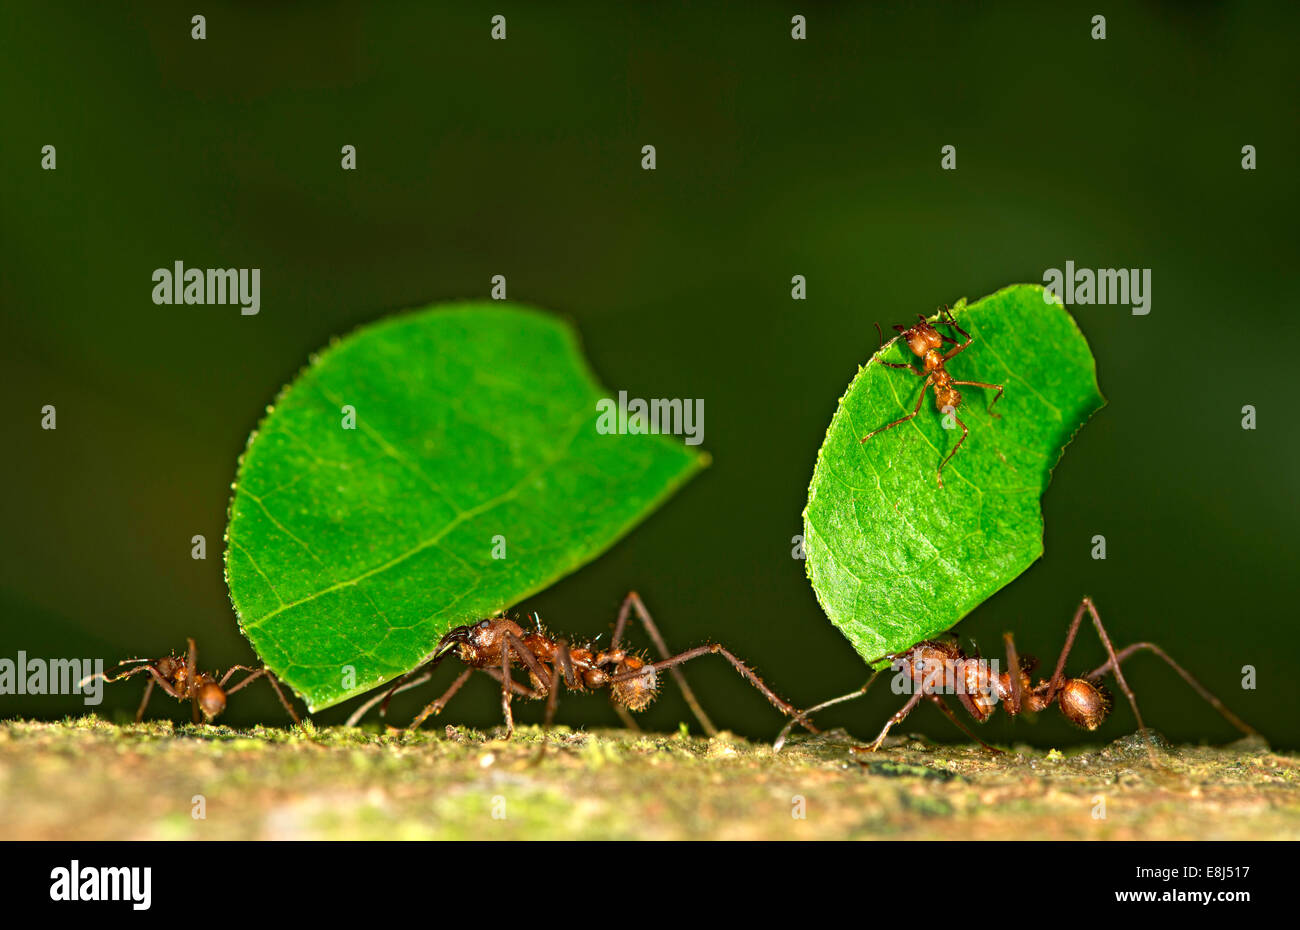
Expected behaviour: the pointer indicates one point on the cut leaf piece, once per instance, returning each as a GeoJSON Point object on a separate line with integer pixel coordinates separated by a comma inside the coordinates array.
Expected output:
{"type": "Point", "coordinates": [893, 558]}
{"type": "Point", "coordinates": [427, 471]}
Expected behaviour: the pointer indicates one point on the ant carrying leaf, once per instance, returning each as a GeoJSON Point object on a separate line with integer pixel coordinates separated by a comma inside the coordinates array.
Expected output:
{"type": "Point", "coordinates": [498, 645]}
{"type": "Point", "coordinates": [1083, 701]}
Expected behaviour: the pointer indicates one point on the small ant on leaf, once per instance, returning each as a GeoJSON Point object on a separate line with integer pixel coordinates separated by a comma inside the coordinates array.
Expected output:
{"type": "Point", "coordinates": [179, 677]}
{"type": "Point", "coordinates": [925, 341]}
{"type": "Point", "coordinates": [1083, 701]}
{"type": "Point", "coordinates": [497, 645]}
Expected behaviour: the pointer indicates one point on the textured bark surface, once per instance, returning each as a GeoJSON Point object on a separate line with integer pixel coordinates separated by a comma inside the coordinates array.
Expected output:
{"type": "Point", "coordinates": [89, 779]}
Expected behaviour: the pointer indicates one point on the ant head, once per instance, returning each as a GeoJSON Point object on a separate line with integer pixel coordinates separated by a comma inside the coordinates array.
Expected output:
{"type": "Point", "coordinates": [212, 700]}
{"type": "Point", "coordinates": [638, 691]}
{"type": "Point", "coordinates": [1084, 703]}
{"type": "Point", "coordinates": [921, 338]}
{"type": "Point", "coordinates": [168, 666]}
{"type": "Point", "coordinates": [175, 669]}
{"type": "Point", "coordinates": [459, 637]}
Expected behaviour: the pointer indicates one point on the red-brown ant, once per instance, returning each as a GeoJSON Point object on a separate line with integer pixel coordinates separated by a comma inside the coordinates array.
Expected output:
{"type": "Point", "coordinates": [497, 645]}
{"type": "Point", "coordinates": [179, 677]}
{"type": "Point", "coordinates": [925, 341]}
{"type": "Point", "coordinates": [934, 665]}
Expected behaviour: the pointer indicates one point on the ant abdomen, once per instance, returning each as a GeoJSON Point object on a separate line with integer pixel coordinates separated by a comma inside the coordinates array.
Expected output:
{"type": "Point", "coordinates": [1084, 703]}
{"type": "Point", "coordinates": [212, 699]}
{"type": "Point", "coordinates": [639, 691]}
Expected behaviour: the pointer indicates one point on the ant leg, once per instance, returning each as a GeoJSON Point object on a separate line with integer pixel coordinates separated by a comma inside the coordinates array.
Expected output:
{"type": "Point", "coordinates": [920, 400]}
{"type": "Point", "coordinates": [109, 679]}
{"type": "Point", "coordinates": [564, 666]}
{"type": "Point", "coordinates": [633, 602]}
{"type": "Point", "coordinates": [526, 655]}
{"type": "Point", "coordinates": [262, 672]}
{"type": "Point", "coordinates": [515, 646]}
{"type": "Point", "coordinates": [1186, 676]}
{"type": "Point", "coordinates": [506, 691]}
{"type": "Point", "coordinates": [148, 690]}
{"type": "Point", "coordinates": [404, 683]}
{"type": "Point", "coordinates": [897, 718]}
{"type": "Point", "coordinates": [230, 671]}
{"type": "Point", "coordinates": [523, 691]}
{"type": "Point", "coordinates": [717, 648]}
{"type": "Point", "coordinates": [626, 717]}
{"type": "Point", "coordinates": [947, 711]}
{"type": "Point", "coordinates": [785, 731]}
{"type": "Point", "coordinates": [553, 698]}
{"type": "Point", "coordinates": [997, 397]}
{"type": "Point", "coordinates": [964, 432]}
{"type": "Point", "coordinates": [144, 702]}
{"type": "Point", "coordinates": [952, 321]}
{"type": "Point", "coordinates": [189, 678]}
{"type": "Point", "coordinates": [435, 706]}
{"type": "Point", "coordinates": [1013, 671]}
{"type": "Point", "coordinates": [1058, 677]}
{"type": "Point", "coordinates": [364, 709]}
{"type": "Point", "coordinates": [275, 686]}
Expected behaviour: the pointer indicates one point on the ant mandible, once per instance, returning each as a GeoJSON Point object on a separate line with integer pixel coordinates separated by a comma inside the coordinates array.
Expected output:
{"type": "Point", "coordinates": [497, 645]}
{"type": "Point", "coordinates": [925, 341]}
{"type": "Point", "coordinates": [180, 678]}
{"type": "Point", "coordinates": [1083, 701]}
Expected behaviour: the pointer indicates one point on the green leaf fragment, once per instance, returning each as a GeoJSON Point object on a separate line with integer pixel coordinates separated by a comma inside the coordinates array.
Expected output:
{"type": "Point", "coordinates": [893, 558]}
{"type": "Point", "coordinates": [350, 552]}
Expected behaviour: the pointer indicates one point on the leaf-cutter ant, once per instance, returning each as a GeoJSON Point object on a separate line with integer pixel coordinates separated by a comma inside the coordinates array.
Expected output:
{"type": "Point", "coordinates": [497, 645]}
{"type": "Point", "coordinates": [925, 341]}
{"type": "Point", "coordinates": [180, 678]}
{"type": "Point", "coordinates": [932, 665]}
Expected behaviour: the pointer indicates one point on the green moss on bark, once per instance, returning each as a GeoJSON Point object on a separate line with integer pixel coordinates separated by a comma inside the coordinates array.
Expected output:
{"type": "Point", "coordinates": [89, 779]}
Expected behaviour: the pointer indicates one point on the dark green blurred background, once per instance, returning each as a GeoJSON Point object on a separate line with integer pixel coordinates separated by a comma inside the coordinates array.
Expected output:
{"type": "Point", "coordinates": [775, 158]}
